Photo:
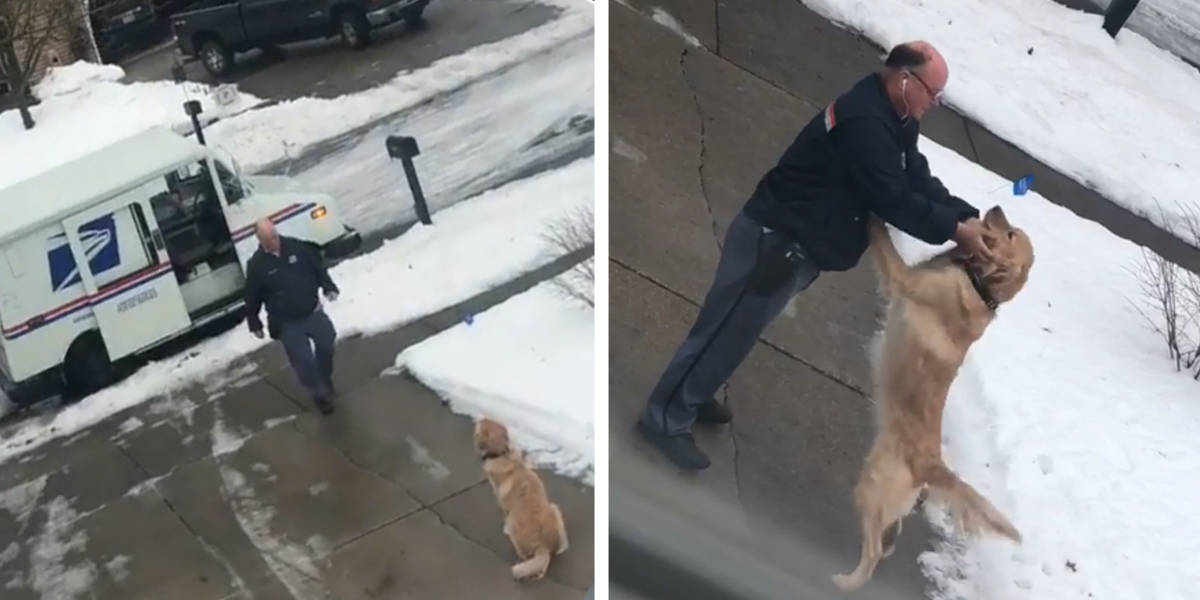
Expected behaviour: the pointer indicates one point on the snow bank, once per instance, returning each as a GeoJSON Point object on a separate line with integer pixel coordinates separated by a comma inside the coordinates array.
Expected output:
{"type": "Point", "coordinates": [1119, 117]}
{"type": "Point", "coordinates": [73, 77]}
{"type": "Point", "coordinates": [85, 108]}
{"type": "Point", "coordinates": [527, 363]}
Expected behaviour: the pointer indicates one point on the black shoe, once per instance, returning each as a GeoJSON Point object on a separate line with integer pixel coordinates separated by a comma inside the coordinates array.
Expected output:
{"type": "Point", "coordinates": [324, 405]}
{"type": "Point", "coordinates": [680, 449]}
{"type": "Point", "coordinates": [713, 413]}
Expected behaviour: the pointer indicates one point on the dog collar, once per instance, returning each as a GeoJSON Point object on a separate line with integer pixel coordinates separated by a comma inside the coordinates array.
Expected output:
{"type": "Point", "coordinates": [981, 288]}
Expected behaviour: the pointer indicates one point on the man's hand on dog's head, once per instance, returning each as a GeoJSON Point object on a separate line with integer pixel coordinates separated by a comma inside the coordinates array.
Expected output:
{"type": "Point", "coordinates": [969, 236]}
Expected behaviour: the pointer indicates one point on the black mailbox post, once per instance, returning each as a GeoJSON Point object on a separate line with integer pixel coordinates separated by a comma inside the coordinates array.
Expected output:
{"type": "Point", "coordinates": [192, 107]}
{"type": "Point", "coordinates": [1117, 13]}
{"type": "Point", "coordinates": [405, 148]}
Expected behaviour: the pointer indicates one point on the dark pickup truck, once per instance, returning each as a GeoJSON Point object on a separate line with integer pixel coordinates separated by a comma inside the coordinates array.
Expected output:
{"type": "Point", "coordinates": [214, 30]}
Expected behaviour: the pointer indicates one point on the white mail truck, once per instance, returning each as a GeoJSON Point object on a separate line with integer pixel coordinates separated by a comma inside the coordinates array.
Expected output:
{"type": "Point", "coordinates": [117, 252]}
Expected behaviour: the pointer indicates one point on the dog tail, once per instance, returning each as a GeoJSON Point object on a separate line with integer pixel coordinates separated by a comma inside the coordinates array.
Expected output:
{"type": "Point", "coordinates": [563, 543]}
{"type": "Point", "coordinates": [971, 510]}
{"type": "Point", "coordinates": [535, 567]}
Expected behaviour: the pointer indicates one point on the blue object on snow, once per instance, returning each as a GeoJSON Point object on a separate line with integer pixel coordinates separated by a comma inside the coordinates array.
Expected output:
{"type": "Point", "coordinates": [1022, 185]}
{"type": "Point", "coordinates": [470, 318]}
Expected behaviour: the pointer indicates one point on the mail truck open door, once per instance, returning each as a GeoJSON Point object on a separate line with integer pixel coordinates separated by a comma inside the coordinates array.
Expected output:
{"type": "Point", "coordinates": [126, 272]}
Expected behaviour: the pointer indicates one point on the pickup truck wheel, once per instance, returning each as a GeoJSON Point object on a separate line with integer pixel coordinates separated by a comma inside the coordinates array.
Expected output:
{"type": "Point", "coordinates": [355, 30]}
{"type": "Point", "coordinates": [217, 58]}
{"type": "Point", "coordinates": [87, 368]}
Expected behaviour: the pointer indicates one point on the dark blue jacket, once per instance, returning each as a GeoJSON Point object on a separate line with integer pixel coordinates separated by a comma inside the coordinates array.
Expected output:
{"type": "Point", "coordinates": [854, 158]}
{"type": "Point", "coordinates": [287, 284]}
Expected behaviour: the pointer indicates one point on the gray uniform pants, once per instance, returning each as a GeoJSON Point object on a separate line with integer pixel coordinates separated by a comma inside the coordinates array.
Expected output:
{"type": "Point", "coordinates": [309, 345]}
{"type": "Point", "coordinates": [758, 274]}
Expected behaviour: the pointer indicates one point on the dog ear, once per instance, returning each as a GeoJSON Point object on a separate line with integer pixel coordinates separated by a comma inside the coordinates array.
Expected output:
{"type": "Point", "coordinates": [996, 219]}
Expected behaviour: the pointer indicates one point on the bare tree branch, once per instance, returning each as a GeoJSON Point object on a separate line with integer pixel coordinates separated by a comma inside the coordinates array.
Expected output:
{"type": "Point", "coordinates": [1170, 298]}
{"type": "Point", "coordinates": [570, 234]}
{"type": "Point", "coordinates": [32, 26]}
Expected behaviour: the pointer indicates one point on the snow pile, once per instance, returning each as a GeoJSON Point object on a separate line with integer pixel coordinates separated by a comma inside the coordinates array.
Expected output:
{"type": "Point", "coordinates": [472, 246]}
{"type": "Point", "coordinates": [76, 76]}
{"type": "Point", "coordinates": [1117, 116]}
{"type": "Point", "coordinates": [88, 109]}
{"type": "Point", "coordinates": [1069, 417]}
{"type": "Point", "coordinates": [527, 363]}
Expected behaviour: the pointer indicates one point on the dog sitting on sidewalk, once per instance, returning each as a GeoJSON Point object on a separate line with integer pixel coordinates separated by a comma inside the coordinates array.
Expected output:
{"type": "Point", "coordinates": [936, 311]}
{"type": "Point", "coordinates": [532, 523]}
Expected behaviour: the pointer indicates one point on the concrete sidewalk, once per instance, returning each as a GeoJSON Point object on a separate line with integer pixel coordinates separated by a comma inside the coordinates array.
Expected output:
{"type": "Point", "coordinates": [237, 488]}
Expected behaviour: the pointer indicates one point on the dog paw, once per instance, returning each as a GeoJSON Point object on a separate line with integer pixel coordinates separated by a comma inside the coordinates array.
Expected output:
{"type": "Point", "coordinates": [531, 577]}
{"type": "Point", "coordinates": [846, 583]}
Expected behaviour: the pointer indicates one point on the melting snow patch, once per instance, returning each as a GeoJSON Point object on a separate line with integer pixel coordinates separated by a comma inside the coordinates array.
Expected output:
{"type": "Point", "coordinates": [174, 405]}
{"type": "Point", "coordinates": [20, 500]}
{"type": "Point", "coordinates": [49, 573]}
{"type": "Point", "coordinates": [272, 423]}
{"type": "Point", "coordinates": [420, 455]}
{"type": "Point", "coordinates": [9, 553]}
{"type": "Point", "coordinates": [230, 378]}
{"type": "Point", "coordinates": [130, 425]}
{"type": "Point", "coordinates": [225, 440]}
{"type": "Point", "coordinates": [118, 568]}
{"type": "Point", "coordinates": [319, 546]}
{"type": "Point", "coordinates": [318, 488]}
{"type": "Point", "coordinates": [665, 19]}
{"type": "Point", "coordinates": [290, 562]}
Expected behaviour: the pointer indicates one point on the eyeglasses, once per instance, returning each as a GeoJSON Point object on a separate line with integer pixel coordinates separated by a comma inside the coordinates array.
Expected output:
{"type": "Point", "coordinates": [936, 95]}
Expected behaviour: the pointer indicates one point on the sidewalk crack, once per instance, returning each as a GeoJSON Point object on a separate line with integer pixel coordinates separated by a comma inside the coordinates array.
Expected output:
{"type": "Point", "coordinates": [703, 147]}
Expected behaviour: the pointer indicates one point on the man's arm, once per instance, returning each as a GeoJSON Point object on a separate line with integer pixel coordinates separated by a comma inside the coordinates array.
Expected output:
{"type": "Point", "coordinates": [318, 265]}
{"type": "Point", "coordinates": [923, 181]}
{"type": "Point", "coordinates": [253, 296]}
{"type": "Point", "coordinates": [872, 156]}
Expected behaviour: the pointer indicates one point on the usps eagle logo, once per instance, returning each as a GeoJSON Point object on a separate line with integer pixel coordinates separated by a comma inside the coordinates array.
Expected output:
{"type": "Point", "coordinates": [99, 241]}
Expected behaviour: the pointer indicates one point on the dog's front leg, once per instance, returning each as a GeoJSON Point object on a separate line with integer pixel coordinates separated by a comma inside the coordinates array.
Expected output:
{"type": "Point", "coordinates": [893, 271]}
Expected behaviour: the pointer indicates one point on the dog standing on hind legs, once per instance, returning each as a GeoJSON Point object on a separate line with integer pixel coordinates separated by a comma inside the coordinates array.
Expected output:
{"type": "Point", "coordinates": [532, 523]}
{"type": "Point", "coordinates": [936, 311]}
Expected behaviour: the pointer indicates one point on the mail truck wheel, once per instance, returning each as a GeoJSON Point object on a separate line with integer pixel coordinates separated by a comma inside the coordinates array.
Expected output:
{"type": "Point", "coordinates": [87, 368]}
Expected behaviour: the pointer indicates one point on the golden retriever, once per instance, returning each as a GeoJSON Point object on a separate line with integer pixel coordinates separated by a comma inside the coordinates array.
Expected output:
{"type": "Point", "coordinates": [936, 310]}
{"type": "Point", "coordinates": [532, 523]}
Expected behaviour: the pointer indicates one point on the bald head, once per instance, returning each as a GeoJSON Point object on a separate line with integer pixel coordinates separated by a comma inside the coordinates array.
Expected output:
{"type": "Point", "coordinates": [268, 238]}
{"type": "Point", "coordinates": [915, 74]}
